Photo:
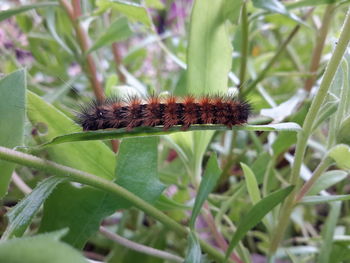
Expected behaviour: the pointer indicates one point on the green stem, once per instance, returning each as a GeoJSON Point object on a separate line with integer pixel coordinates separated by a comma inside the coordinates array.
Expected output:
{"type": "Point", "coordinates": [103, 184]}
{"type": "Point", "coordinates": [304, 135]}
{"type": "Point", "coordinates": [273, 60]}
{"type": "Point", "coordinates": [320, 41]}
{"type": "Point", "coordinates": [323, 165]}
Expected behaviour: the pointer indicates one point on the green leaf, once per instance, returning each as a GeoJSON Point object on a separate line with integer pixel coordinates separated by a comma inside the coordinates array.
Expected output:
{"type": "Point", "coordinates": [232, 10]}
{"type": "Point", "coordinates": [341, 155]}
{"type": "Point", "coordinates": [39, 249]}
{"type": "Point", "coordinates": [328, 233]}
{"type": "Point", "coordinates": [283, 142]}
{"type": "Point", "coordinates": [303, 3]}
{"type": "Point", "coordinates": [119, 30]}
{"type": "Point", "coordinates": [276, 6]}
{"type": "Point", "coordinates": [311, 200]}
{"type": "Point", "coordinates": [64, 206]}
{"type": "Point", "coordinates": [12, 111]}
{"type": "Point", "coordinates": [92, 157]}
{"type": "Point", "coordinates": [343, 135]}
{"type": "Point", "coordinates": [11, 12]}
{"type": "Point", "coordinates": [252, 184]}
{"type": "Point", "coordinates": [327, 110]}
{"type": "Point", "coordinates": [51, 25]}
{"type": "Point", "coordinates": [209, 49]}
{"type": "Point", "coordinates": [156, 131]}
{"type": "Point", "coordinates": [260, 165]}
{"type": "Point", "coordinates": [21, 215]}
{"type": "Point", "coordinates": [79, 209]}
{"type": "Point", "coordinates": [340, 252]}
{"type": "Point", "coordinates": [137, 167]}
{"type": "Point", "coordinates": [327, 180]}
{"type": "Point", "coordinates": [133, 11]}
{"type": "Point", "coordinates": [256, 214]}
{"type": "Point", "coordinates": [164, 203]}
{"type": "Point", "coordinates": [209, 180]}
{"type": "Point", "coordinates": [193, 254]}
{"type": "Point", "coordinates": [82, 209]}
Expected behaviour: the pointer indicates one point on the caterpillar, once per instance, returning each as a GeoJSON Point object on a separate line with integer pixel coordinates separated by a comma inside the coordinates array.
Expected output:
{"type": "Point", "coordinates": [155, 111]}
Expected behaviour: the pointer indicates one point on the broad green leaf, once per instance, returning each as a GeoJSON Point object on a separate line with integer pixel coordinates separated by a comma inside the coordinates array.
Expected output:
{"type": "Point", "coordinates": [91, 157]}
{"type": "Point", "coordinates": [119, 30]}
{"type": "Point", "coordinates": [211, 175]}
{"type": "Point", "coordinates": [137, 167]}
{"type": "Point", "coordinates": [209, 49]}
{"type": "Point", "coordinates": [256, 214]}
{"type": "Point", "coordinates": [12, 111]}
{"type": "Point", "coordinates": [208, 61]}
{"type": "Point", "coordinates": [11, 12]}
{"type": "Point", "coordinates": [311, 200]}
{"type": "Point", "coordinates": [252, 184]}
{"type": "Point", "coordinates": [340, 252]}
{"type": "Point", "coordinates": [328, 233]}
{"type": "Point", "coordinates": [276, 6]}
{"type": "Point", "coordinates": [326, 180]}
{"type": "Point", "coordinates": [232, 10]}
{"type": "Point", "coordinates": [79, 209]}
{"type": "Point", "coordinates": [132, 10]}
{"type": "Point", "coordinates": [20, 216]}
{"type": "Point", "coordinates": [82, 209]}
{"type": "Point", "coordinates": [39, 249]}
{"type": "Point", "coordinates": [341, 155]}
{"type": "Point", "coordinates": [156, 131]}
{"type": "Point", "coordinates": [64, 206]}
{"type": "Point", "coordinates": [193, 254]}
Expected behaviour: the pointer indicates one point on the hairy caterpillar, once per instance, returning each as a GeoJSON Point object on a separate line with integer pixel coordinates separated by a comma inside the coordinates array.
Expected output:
{"type": "Point", "coordinates": [167, 112]}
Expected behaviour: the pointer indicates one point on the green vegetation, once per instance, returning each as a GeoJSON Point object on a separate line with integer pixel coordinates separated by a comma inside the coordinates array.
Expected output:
{"type": "Point", "coordinates": [274, 189]}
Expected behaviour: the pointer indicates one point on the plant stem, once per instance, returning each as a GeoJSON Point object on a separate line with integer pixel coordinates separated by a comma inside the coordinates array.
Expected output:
{"type": "Point", "coordinates": [74, 13]}
{"type": "Point", "coordinates": [304, 135]}
{"type": "Point", "coordinates": [323, 165]}
{"type": "Point", "coordinates": [117, 62]}
{"type": "Point", "coordinates": [17, 180]}
{"type": "Point", "coordinates": [105, 185]}
{"type": "Point", "coordinates": [139, 247]}
{"type": "Point", "coordinates": [320, 41]}
{"type": "Point", "coordinates": [218, 237]}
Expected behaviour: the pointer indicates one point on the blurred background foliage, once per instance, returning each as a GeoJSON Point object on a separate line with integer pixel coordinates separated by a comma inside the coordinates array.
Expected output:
{"type": "Point", "coordinates": [273, 53]}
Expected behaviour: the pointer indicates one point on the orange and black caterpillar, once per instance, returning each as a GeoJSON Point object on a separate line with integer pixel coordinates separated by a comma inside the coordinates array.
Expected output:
{"type": "Point", "coordinates": [167, 112]}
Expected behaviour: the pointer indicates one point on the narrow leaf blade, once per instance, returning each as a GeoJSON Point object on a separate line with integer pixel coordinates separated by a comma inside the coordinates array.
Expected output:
{"type": "Point", "coordinates": [256, 214]}
{"type": "Point", "coordinates": [209, 180]}
{"type": "Point", "coordinates": [11, 12]}
{"type": "Point", "coordinates": [311, 200]}
{"type": "Point", "coordinates": [12, 111]}
{"type": "Point", "coordinates": [119, 30]}
{"type": "Point", "coordinates": [193, 254]}
{"type": "Point", "coordinates": [21, 215]}
{"type": "Point", "coordinates": [156, 131]}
